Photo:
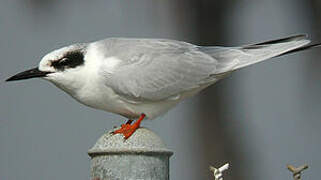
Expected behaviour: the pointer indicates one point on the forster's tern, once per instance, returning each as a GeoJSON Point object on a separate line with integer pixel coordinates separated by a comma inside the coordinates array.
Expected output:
{"type": "Point", "coordinates": [146, 77]}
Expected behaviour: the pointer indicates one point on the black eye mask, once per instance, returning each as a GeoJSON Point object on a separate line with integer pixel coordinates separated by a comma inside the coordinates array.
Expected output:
{"type": "Point", "coordinates": [70, 60]}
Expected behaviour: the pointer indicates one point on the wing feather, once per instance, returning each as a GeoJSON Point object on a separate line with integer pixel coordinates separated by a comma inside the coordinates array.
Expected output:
{"type": "Point", "coordinates": [157, 69]}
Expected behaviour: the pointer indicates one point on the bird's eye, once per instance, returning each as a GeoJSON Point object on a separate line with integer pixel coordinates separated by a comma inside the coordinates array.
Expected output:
{"type": "Point", "coordinates": [64, 61]}
{"type": "Point", "coordinates": [70, 60]}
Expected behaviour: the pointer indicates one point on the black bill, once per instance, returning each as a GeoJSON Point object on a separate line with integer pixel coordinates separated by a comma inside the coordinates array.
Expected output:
{"type": "Point", "coordinates": [31, 73]}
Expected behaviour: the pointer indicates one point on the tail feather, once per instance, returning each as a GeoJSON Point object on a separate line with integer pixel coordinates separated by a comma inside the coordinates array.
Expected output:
{"type": "Point", "coordinates": [233, 58]}
{"type": "Point", "coordinates": [301, 49]}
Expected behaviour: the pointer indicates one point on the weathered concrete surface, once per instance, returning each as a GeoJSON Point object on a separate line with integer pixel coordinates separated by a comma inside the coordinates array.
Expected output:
{"type": "Point", "coordinates": [142, 156]}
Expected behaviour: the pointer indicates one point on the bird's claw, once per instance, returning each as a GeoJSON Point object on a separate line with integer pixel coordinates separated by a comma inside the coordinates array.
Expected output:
{"type": "Point", "coordinates": [128, 128]}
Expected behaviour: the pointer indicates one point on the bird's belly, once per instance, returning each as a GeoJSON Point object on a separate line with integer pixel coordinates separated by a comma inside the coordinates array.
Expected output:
{"type": "Point", "coordinates": [104, 99]}
{"type": "Point", "coordinates": [109, 101]}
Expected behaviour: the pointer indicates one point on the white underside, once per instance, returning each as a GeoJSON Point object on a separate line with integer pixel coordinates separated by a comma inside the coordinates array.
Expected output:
{"type": "Point", "coordinates": [104, 98]}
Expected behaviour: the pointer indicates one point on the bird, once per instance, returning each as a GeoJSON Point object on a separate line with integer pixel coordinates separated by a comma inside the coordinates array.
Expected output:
{"type": "Point", "coordinates": [141, 78]}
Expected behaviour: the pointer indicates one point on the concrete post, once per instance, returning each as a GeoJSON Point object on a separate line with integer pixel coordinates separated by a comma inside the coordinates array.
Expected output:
{"type": "Point", "coordinates": [143, 156]}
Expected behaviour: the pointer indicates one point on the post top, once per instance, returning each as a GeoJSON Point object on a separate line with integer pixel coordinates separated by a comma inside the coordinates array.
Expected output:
{"type": "Point", "coordinates": [143, 141]}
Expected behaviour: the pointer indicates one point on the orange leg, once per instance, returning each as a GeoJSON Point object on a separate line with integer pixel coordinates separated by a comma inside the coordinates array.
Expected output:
{"type": "Point", "coordinates": [128, 129]}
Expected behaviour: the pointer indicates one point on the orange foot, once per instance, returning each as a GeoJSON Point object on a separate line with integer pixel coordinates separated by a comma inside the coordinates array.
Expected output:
{"type": "Point", "coordinates": [128, 129]}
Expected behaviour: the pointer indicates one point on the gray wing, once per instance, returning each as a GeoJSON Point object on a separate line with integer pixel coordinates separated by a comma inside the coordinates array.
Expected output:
{"type": "Point", "coordinates": [153, 69]}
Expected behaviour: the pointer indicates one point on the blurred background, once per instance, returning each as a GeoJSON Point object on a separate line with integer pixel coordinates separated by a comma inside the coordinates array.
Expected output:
{"type": "Point", "coordinates": [259, 119]}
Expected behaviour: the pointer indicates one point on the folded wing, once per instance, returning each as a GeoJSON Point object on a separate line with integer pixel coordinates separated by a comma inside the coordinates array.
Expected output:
{"type": "Point", "coordinates": [158, 69]}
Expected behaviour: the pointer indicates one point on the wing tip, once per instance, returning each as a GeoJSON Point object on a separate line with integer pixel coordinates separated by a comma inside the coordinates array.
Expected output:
{"type": "Point", "coordinates": [291, 38]}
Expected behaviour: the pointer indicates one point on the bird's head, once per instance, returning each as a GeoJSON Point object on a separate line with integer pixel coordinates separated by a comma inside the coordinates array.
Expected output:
{"type": "Point", "coordinates": [63, 66]}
